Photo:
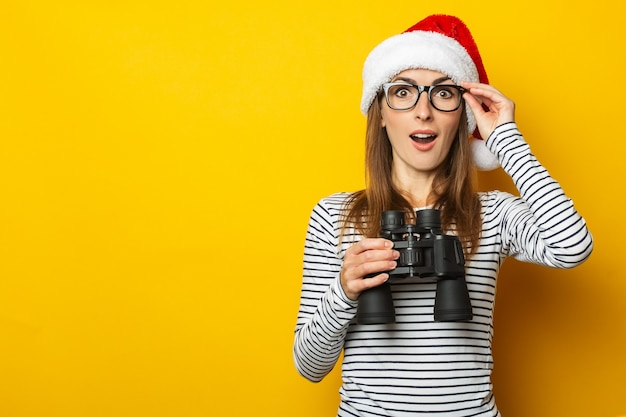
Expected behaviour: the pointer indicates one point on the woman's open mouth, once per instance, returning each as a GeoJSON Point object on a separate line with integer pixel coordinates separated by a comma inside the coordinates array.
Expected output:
{"type": "Point", "coordinates": [423, 137]}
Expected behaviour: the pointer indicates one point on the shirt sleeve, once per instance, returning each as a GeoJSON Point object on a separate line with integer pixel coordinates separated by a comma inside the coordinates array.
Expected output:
{"type": "Point", "coordinates": [541, 225]}
{"type": "Point", "coordinates": [325, 311]}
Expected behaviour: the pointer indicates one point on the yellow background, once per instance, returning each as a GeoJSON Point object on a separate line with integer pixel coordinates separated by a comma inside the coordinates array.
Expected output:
{"type": "Point", "coordinates": [159, 161]}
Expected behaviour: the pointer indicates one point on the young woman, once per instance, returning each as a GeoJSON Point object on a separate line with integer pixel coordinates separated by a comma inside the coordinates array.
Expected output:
{"type": "Point", "coordinates": [425, 91]}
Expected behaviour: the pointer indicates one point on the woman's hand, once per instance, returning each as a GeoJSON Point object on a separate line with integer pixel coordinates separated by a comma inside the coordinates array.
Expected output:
{"type": "Point", "coordinates": [369, 256]}
{"type": "Point", "coordinates": [500, 109]}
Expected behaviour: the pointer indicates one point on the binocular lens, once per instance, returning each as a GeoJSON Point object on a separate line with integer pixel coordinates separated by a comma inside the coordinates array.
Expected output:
{"type": "Point", "coordinates": [376, 306]}
{"type": "Point", "coordinates": [452, 302]}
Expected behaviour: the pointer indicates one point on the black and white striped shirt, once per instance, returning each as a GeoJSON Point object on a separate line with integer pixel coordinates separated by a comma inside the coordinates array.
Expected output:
{"type": "Point", "coordinates": [417, 366]}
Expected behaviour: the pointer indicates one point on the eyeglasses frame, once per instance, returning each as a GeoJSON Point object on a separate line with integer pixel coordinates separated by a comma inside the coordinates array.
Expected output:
{"type": "Point", "coordinates": [420, 89]}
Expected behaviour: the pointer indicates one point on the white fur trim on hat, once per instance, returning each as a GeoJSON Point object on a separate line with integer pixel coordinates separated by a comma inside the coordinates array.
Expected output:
{"type": "Point", "coordinates": [411, 50]}
{"type": "Point", "coordinates": [483, 158]}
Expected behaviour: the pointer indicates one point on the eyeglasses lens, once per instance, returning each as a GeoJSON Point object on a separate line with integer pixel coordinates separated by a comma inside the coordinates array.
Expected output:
{"type": "Point", "coordinates": [442, 97]}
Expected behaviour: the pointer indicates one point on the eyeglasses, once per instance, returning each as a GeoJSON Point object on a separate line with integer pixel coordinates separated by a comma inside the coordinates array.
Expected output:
{"type": "Point", "coordinates": [404, 96]}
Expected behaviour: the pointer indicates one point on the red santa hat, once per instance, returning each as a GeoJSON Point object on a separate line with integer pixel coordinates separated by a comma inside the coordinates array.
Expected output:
{"type": "Point", "coordinates": [441, 43]}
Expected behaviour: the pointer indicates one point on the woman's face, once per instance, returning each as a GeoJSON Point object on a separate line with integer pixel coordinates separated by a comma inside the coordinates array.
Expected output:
{"type": "Point", "coordinates": [420, 137]}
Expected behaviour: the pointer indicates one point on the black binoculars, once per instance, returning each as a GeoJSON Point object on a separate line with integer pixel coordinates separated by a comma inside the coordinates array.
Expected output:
{"type": "Point", "coordinates": [425, 252]}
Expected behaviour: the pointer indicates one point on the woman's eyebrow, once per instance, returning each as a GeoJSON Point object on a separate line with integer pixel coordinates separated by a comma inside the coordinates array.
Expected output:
{"type": "Point", "coordinates": [442, 79]}
{"type": "Point", "coordinates": [435, 82]}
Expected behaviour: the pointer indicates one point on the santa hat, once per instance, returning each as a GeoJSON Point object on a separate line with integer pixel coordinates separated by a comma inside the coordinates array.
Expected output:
{"type": "Point", "coordinates": [440, 43]}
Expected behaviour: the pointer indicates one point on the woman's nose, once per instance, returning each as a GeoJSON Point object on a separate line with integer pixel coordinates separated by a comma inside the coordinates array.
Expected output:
{"type": "Point", "coordinates": [423, 109]}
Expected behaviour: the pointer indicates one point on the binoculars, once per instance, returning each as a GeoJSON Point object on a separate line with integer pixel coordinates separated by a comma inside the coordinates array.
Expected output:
{"type": "Point", "coordinates": [425, 252]}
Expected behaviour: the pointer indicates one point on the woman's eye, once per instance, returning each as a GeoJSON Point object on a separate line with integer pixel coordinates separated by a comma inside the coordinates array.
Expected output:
{"type": "Point", "coordinates": [446, 92]}
{"type": "Point", "coordinates": [402, 92]}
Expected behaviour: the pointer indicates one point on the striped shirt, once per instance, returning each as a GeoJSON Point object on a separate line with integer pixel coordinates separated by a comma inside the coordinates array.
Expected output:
{"type": "Point", "coordinates": [417, 366]}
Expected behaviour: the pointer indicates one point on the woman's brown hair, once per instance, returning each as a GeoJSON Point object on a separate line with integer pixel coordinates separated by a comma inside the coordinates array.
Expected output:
{"type": "Point", "coordinates": [454, 189]}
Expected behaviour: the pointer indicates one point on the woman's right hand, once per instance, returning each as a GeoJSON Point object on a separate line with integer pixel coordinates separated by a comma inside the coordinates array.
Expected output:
{"type": "Point", "coordinates": [368, 256]}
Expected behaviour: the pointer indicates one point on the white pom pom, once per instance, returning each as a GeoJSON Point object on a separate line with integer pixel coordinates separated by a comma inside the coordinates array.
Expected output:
{"type": "Point", "coordinates": [483, 158]}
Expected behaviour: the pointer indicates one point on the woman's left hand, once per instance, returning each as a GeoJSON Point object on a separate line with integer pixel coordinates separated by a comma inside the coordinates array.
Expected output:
{"type": "Point", "coordinates": [500, 109]}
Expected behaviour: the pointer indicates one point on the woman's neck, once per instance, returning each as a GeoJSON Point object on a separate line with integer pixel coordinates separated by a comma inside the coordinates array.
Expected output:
{"type": "Point", "coordinates": [416, 188]}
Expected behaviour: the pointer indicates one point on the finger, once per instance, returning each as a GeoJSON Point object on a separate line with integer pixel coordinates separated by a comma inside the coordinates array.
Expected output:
{"type": "Point", "coordinates": [475, 105]}
{"type": "Point", "coordinates": [375, 281]}
{"type": "Point", "coordinates": [369, 262]}
{"type": "Point", "coordinates": [368, 244]}
{"type": "Point", "coordinates": [353, 289]}
{"type": "Point", "coordinates": [479, 86]}
{"type": "Point", "coordinates": [487, 94]}
{"type": "Point", "coordinates": [373, 267]}
{"type": "Point", "coordinates": [370, 251]}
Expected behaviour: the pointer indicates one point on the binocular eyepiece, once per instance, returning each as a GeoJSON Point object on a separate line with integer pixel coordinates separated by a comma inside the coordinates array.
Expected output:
{"type": "Point", "coordinates": [425, 252]}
